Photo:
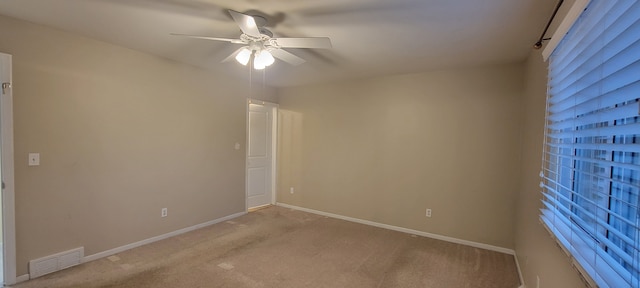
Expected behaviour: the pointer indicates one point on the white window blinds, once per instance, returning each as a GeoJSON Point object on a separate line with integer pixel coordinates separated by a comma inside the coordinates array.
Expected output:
{"type": "Point", "coordinates": [591, 165]}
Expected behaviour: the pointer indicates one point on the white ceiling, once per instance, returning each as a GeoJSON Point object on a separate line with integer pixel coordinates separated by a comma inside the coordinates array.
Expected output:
{"type": "Point", "coordinates": [370, 37]}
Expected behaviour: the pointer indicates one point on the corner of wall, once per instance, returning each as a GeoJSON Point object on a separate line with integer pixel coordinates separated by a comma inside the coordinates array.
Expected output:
{"type": "Point", "coordinates": [538, 256]}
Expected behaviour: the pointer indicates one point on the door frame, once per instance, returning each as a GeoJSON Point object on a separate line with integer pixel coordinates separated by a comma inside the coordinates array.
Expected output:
{"type": "Point", "coordinates": [8, 195]}
{"type": "Point", "coordinates": [274, 141]}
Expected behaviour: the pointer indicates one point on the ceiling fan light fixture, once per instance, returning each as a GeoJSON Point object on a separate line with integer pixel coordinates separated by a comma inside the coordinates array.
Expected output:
{"type": "Point", "coordinates": [243, 56]}
{"type": "Point", "coordinates": [260, 43]}
{"type": "Point", "coordinates": [258, 65]}
{"type": "Point", "coordinates": [265, 58]}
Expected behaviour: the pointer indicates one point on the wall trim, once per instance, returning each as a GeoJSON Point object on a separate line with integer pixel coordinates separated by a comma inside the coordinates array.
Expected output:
{"type": "Point", "coordinates": [522, 285]}
{"type": "Point", "coordinates": [8, 196]}
{"type": "Point", "coordinates": [22, 278]}
{"type": "Point", "coordinates": [158, 238]}
{"type": "Point", "coordinates": [107, 253]}
{"type": "Point", "coordinates": [404, 230]}
{"type": "Point", "coordinates": [123, 248]}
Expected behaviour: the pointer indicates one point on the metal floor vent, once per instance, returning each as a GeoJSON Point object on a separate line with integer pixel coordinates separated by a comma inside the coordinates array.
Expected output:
{"type": "Point", "coordinates": [55, 262]}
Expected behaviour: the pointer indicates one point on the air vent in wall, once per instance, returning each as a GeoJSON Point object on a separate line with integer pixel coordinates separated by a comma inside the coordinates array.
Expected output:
{"type": "Point", "coordinates": [55, 262]}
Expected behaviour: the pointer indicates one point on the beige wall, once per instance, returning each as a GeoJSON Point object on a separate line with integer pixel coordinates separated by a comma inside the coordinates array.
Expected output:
{"type": "Point", "coordinates": [121, 135]}
{"type": "Point", "coordinates": [385, 149]}
{"type": "Point", "coordinates": [537, 253]}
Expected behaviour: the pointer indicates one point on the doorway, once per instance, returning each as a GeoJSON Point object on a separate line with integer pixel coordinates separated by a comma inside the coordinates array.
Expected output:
{"type": "Point", "coordinates": [8, 250]}
{"type": "Point", "coordinates": [261, 145]}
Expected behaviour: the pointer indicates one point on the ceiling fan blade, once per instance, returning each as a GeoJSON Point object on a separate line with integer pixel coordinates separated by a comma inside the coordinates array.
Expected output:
{"type": "Point", "coordinates": [287, 57]}
{"type": "Point", "coordinates": [310, 42]}
{"type": "Point", "coordinates": [247, 24]}
{"type": "Point", "coordinates": [233, 55]}
{"type": "Point", "coordinates": [230, 40]}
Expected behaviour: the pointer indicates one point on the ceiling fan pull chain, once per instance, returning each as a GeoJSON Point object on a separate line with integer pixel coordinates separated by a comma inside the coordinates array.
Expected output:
{"type": "Point", "coordinates": [250, 79]}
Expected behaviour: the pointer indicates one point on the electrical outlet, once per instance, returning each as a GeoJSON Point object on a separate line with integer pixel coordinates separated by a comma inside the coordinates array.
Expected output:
{"type": "Point", "coordinates": [164, 212]}
{"type": "Point", "coordinates": [428, 212]}
{"type": "Point", "coordinates": [291, 190]}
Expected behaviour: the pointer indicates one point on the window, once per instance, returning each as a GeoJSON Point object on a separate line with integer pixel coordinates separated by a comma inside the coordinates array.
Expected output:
{"type": "Point", "coordinates": [591, 159]}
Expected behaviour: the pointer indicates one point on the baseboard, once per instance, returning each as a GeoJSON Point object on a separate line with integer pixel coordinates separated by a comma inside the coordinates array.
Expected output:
{"type": "Point", "coordinates": [120, 249]}
{"type": "Point", "coordinates": [404, 230]}
{"type": "Point", "coordinates": [22, 278]}
{"type": "Point", "coordinates": [515, 256]}
{"type": "Point", "coordinates": [158, 238]}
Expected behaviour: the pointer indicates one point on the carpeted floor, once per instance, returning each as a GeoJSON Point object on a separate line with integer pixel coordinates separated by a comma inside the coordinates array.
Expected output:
{"type": "Point", "coordinates": [279, 247]}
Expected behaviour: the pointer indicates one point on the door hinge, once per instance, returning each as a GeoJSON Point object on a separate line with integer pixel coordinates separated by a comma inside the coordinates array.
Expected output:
{"type": "Point", "coordinates": [5, 86]}
{"type": "Point", "coordinates": [2, 185]}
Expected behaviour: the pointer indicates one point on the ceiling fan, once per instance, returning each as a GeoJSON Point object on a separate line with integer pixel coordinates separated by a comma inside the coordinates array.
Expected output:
{"type": "Point", "coordinates": [260, 45]}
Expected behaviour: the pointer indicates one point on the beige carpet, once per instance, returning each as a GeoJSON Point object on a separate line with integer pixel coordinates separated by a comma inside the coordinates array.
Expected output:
{"type": "Point", "coordinates": [279, 247]}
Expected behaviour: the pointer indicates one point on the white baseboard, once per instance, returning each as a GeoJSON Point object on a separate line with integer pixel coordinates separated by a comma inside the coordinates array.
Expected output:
{"type": "Point", "coordinates": [158, 238]}
{"type": "Point", "coordinates": [404, 230]}
{"type": "Point", "coordinates": [416, 232]}
{"type": "Point", "coordinates": [515, 256]}
{"type": "Point", "coordinates": [120, 249]}
{"type": "Point", "coordinates": [22, 278]}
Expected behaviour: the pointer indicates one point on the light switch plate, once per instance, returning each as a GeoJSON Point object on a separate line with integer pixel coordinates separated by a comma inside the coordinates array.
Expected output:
{"type": "Point", "coordinates": [34, 159]}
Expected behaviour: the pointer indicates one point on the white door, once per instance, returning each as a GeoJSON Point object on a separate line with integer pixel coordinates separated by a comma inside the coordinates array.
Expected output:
{"type": "Point", "coordinates": [7, 243]}
{"type": "Point", "coordinates": [260, 155]}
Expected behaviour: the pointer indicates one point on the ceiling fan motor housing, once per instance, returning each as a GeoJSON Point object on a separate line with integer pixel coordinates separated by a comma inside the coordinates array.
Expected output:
{"type": "Point", "coordinates": [265, 31]}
